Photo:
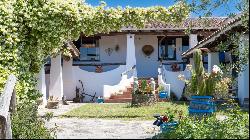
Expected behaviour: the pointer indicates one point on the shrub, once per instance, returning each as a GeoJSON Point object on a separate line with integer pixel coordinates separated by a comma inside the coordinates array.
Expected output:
{"type": "Point", "coordinates": [202, 83]}
{"type": "Point", "coordinates": [26, 123]}
{"type": "Point", "coordinates": [173, 97]}
{"type": "Point", "coordinates": [236, 126]}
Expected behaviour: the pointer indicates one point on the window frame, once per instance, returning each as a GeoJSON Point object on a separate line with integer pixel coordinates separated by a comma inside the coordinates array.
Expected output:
{"type": "Point", "coordinates": [97, 46]}
{"type": "Point", "coordinates": [165, 40]}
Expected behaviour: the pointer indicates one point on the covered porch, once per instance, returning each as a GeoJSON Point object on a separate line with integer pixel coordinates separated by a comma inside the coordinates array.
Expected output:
{"type": "Point", "coordinates": [212, 50]}
{"type": "Point", "coordinates": [108, 62]}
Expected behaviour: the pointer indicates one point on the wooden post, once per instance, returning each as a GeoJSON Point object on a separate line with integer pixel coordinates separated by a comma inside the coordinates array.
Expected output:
{"type": "Point", "coordinates": [7, 104]}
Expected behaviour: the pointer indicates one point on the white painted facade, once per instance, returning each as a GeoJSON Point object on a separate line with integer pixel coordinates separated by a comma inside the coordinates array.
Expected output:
{"type": "Point", "coordinates": [213, 59]}
{"type": "Point", "coordinates": [243, 78]}
{"type": "Point", "coordinates": [68, 79]}
{"type": "Point", "coordinates": [56, 81]}
{"type": "Point", "coordinates": [162, 82]}
{"type": "Point", "coordinates": [41, 85]}
{"type": "Point", "coordinates": [146, 65]}
{"type": "Point", "coordinates": [64, 80]}
{"type": "Point", "coordinates": [171, 78]}
{"type": "Point", "coordinates": [110, 42]}
{"type": "Point", "coordinates": [193, 40]}
{"type": "Point", "coordinates": [94, 82]}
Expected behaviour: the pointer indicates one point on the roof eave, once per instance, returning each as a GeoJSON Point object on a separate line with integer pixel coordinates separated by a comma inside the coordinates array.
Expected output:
{"type": "Point", "coordinates": [214, 36]}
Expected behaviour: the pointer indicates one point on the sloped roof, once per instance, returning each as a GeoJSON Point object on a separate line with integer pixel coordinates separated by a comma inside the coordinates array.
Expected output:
{"type": "Point", "coordinates": [195, 23]}
{"type": "Point", "coordinates": [73, 49]}
{"type": "Point", "coordinates": [227, 25]}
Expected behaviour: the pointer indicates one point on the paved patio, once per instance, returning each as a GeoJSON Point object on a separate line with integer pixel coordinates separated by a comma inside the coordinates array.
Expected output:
{"type": "Point", "coordinates": [74, 128]}
{"type": "Point", "coordinates": [62, 109]}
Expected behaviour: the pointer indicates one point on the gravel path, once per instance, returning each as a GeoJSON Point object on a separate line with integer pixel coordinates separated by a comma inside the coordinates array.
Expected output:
{"type": "Point", "coordinates": [76, 128]}
{"type": "Point", "coordinates": [62, 109]}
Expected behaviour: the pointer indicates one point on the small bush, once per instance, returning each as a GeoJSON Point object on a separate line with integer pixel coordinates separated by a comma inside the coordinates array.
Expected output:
{"type": "Point", "coordinates": [26, 123]}
{"type": "Point", "coordinates": [173, 96]}
{"type": "Point", "coordinates": [236, 126]}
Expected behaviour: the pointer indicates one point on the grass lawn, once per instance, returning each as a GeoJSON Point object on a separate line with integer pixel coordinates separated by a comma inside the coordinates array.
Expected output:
{"type": "Point", "coordinates": [123, 111]}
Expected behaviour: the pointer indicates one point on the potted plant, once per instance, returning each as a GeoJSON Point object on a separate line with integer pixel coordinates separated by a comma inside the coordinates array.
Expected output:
{"type": "Point", "coordinates": [52, 103]}
{"type": "Point", "coordinates": [166, 122]}
{"type": "Point", "coordinates": [39, 101]}
{"type": "Point", "coordinates": [162, 93]}
{"type": "Point", "coordinates": [204, 87]}
{"type": "Point", "coordinates": [143, 94]}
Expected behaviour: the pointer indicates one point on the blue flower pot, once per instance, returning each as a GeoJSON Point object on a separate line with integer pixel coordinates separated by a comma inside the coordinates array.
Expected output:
{"type": "Point", "coordinates": [163, 95]}
{"type": "Point", "coordinates": [201, 105]}
{"type": "Point", "coordinates": [168, 126]}
{"type": "Point", "coordinates": [100, 101]}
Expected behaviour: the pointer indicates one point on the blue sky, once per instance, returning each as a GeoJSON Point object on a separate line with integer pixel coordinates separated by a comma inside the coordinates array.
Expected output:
{"type": "Point", "coordinates": [222, 11]}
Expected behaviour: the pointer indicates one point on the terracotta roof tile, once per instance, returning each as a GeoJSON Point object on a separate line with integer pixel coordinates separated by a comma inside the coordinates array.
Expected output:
{"type": "Point", "coordinates": [195, 23]}
{"type": "Point", "coordinates": [227, 22]}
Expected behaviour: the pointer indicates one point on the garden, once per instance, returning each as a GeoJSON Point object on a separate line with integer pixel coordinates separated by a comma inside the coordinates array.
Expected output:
{"type": "Point", "coordinates": [33, 30]}
{"type": "Point", "coordinates": [200, 118]}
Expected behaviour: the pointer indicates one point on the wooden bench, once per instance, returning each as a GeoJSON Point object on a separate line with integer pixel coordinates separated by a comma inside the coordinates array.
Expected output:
{"type": "Point", "coordinates": [7, 106]}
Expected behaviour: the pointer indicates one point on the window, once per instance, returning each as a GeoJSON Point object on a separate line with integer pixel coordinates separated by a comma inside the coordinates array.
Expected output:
{"type": "Point", "coordinates": [185, 44]}
{"type": "Point", "coordinates": [89, 50]}
{"type": "Point", "coordinates": [167, 49]}
{"type": "Point", "coordinates": [205, 61]}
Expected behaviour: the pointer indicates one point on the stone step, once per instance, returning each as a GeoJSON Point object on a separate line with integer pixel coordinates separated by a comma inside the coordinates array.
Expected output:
{"type": "Point", "coordinates": [122, 96]}
{"type": "Point", "coordinates": [123, 100]}
{"type": "Point", "coordinates": [127, 92]}
{"type": "Point", "coordinates": [130, 89]}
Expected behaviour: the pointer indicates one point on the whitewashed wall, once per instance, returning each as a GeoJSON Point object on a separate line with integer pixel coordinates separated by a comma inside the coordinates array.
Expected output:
{"type": "Point", "coordinates": [41, 85]}
{"type": "Point", "coordinates": [47, 81]}
{"type": "Point", "coordinates": [110, 42]}
{"type": "Point", "coordinates": [69, 84]}
{"type": "Point", "coordinates": [94, 82]}
{"type": "Point", "coordinates": [243, 79]}
{"type": "Point", "coordinates": [146, 66]}
{"type": "Point", "coordinates": [171, 78]}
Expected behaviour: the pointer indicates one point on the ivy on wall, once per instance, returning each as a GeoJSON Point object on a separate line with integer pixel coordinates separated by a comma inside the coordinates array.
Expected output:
{"type": "Point", "coordinates": [32, 30]}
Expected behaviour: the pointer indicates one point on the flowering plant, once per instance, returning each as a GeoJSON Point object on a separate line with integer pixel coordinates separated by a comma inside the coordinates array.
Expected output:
{"type": "Point", "coordinates": [143, 88]}
{"type": "Point", "coordinates": [202, 83]}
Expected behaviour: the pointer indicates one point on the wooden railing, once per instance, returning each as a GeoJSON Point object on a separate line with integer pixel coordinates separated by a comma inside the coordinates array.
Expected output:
{"type": "Point", "coordinates": [7, 106]}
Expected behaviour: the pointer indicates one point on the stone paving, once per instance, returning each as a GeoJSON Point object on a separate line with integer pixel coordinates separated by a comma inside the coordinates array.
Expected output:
{"type": "Point", "coordinates": [76, 128]}
{"type": "Point", "coordinates": [62, 109]}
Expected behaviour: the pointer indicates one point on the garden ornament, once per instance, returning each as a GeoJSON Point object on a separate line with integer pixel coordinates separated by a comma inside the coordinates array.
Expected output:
{"type": "Point", "coordinates": [147, 50]}
{"type": "Point", "coordinates": [109, 51]}
{"type": "Point", "coordinates": [152, 84]}
{"type": "Point", "coordinates": [136, 84]}
{"type": "Point", "coordinates": [93, 97]}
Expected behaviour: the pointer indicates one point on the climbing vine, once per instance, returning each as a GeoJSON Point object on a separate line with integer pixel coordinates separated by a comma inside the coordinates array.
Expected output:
{"type": "Point", "coordinates": [32, 30]}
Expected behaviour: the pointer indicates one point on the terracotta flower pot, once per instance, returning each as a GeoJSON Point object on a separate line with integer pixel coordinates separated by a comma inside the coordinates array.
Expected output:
{"type": "Point", "coordinates": [39, 101]}
{"type": "Point", "coordinates": [52, 104]}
